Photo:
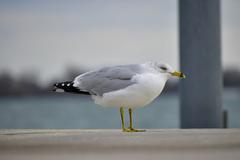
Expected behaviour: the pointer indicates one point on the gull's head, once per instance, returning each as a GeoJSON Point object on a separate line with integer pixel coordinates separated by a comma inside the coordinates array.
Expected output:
{"type": "Point", "coordinates": [167, 70]}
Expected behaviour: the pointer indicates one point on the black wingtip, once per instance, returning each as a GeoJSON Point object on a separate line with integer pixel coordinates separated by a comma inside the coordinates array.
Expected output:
{"type": "Point", "coordinates": [53, 89]}
{"type": "Point", "coordinates": [68, 87]}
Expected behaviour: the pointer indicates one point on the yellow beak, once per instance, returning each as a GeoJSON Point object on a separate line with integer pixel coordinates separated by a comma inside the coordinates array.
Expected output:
{"type": "Point", "coordinates": [178, 74]}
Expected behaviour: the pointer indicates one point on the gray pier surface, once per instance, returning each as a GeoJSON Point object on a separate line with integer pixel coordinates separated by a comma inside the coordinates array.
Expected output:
{"type": "Point", "coordinates": [168, 144]}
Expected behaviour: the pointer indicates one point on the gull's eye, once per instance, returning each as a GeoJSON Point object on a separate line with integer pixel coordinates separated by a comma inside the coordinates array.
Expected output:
{"type": "Point", "coordinates": [163, 68]}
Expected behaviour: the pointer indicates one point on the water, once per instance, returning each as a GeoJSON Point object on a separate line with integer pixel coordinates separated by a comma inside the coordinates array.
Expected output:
{"type": "Point", "coordinates": [78, 112]}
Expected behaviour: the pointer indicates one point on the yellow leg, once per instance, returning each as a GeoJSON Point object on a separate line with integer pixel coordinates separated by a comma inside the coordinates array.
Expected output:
{"type": "Point", "coordinates": [131, 123]}
{"type": "Point", "coordinates": [122, 118]}
{"type": "Point", "coordinates": [130, 118]}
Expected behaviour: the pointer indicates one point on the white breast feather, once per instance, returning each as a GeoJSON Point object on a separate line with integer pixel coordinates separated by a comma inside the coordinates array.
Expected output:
{"type": "Point", "coordinates": [148, 86]}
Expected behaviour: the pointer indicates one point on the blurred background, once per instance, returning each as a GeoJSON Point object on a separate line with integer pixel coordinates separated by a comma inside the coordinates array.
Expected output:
{"type": "Point", "coordinates": [43, 42]}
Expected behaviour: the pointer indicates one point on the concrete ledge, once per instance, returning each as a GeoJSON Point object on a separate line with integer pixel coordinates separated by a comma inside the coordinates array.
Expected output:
{"type": "Point", "coordinates": [109, 144]}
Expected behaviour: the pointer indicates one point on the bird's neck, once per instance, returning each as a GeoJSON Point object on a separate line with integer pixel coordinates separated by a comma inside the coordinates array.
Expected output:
{"type": "Point", "coordinates": [164, 77]}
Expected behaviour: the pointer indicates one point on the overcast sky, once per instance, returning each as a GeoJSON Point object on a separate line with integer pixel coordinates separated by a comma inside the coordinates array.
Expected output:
{"type": "Point", "coordinates": [47, 36]}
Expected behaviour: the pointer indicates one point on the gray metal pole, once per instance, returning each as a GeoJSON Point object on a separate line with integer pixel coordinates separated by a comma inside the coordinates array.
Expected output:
{"type": "Point", "coordinates": [200, 60]}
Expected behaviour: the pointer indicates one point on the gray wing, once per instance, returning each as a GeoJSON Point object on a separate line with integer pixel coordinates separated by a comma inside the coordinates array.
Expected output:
{"type": "Point", "coordinates": [107, 79]}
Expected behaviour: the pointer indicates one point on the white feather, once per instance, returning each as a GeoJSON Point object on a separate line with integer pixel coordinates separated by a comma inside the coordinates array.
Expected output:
{"type": "Point", "coordinates": [59, 90]}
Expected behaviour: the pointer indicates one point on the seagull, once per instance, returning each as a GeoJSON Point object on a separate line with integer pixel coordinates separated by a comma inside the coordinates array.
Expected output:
{"type": "Point", "coordinates": [125, 86]}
